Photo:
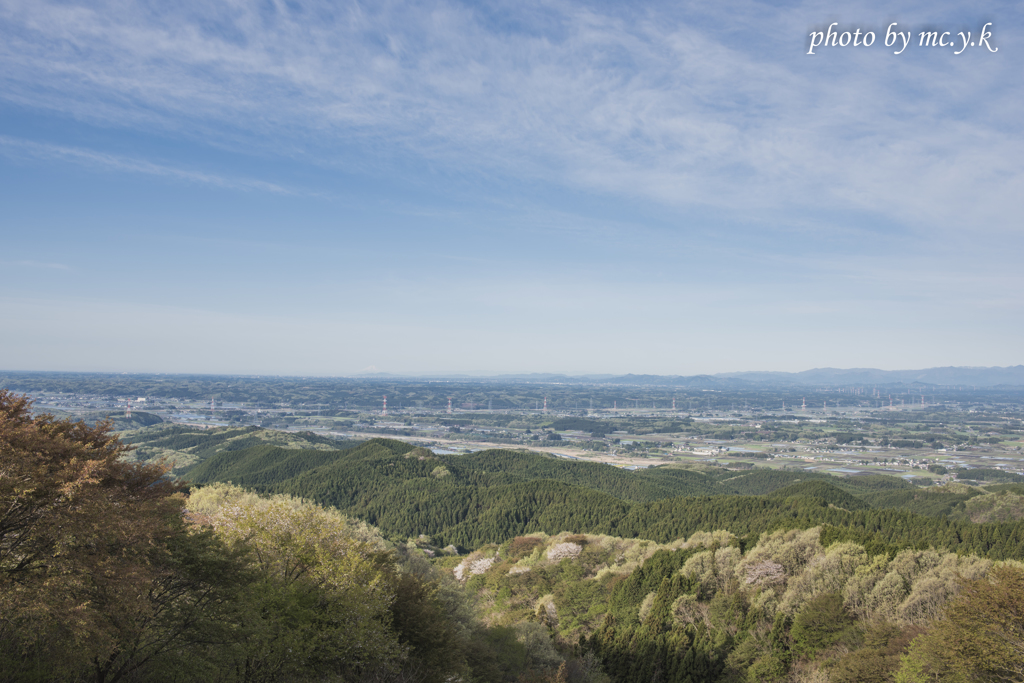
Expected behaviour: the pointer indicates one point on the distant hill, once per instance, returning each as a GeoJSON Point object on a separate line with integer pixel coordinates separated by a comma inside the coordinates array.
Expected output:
{"type": "Point", "coordinates": [495, 495]}
{"type": "Point", "coordinates": [738, 381]}
{"type": "Point", "coordinates": [185, 447]}
{"type": "Point", "coordinates": [946, 376]}
{"type": "Point", "coordinates": [1012, 376]}
{"type": "Point", "coordinates": [950, 376]}
{"type": "Point", "coordinates": [121, 423]}
{"type": "Point", "coordinates": [690, 382]}
{"type": "Point", "coordinates": [943, 376]}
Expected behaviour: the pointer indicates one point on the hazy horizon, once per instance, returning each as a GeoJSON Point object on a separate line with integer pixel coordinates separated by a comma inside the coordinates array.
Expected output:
{"type": "Point", "coordinates": [460, 375]}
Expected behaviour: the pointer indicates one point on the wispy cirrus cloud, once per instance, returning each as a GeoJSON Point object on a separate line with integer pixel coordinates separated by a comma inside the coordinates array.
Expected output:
{"type": "Point", "coordinates": [717, 108]}
{"type": "Point", "coordinates": [17, 147]}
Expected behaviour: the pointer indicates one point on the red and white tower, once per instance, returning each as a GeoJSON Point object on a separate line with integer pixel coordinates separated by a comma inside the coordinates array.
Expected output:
{"type": "Point", "coordinates": [449, 405]}
{"type": "Point", "coordinates": [385, 409]}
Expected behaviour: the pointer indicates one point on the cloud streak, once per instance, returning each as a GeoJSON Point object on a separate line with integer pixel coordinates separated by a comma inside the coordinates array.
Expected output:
{"type": "Point", "coordinates": [17, 147]}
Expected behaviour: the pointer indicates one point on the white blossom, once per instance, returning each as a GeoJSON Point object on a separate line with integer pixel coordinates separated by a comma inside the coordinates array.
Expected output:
{"type": "Point", "coordinates": [765, 572]}
{"type": "Point", "coordinates": [561, 551]}
{"type": "Point", "coordinates": [471, 567]}
{"type": "Point", "coordinates": [481, 565]}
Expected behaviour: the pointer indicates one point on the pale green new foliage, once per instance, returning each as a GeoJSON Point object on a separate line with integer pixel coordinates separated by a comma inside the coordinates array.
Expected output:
{"type": "Point", "coordinates": [765, 603]}
{"type": "Point", "coordinates": [792, 549]}
{"type": "Point", "coordinates": [857, 592]}
{"type": "Point", "coordinates": [211, 498]}
{"type": "Point", "coordinates": [932, 589]}
{"type": "Point", "coordinates": [323, 596]}
{"type": "Point", "coordinates": [825, 573]}
{"type": "Point", "coordinates": [892, 591]}
{"type": "Point", "coordinates": [887, 595]}
{"type": "Point", "coordinates": [979, 635]}
{"type": "Point", "coordinates": [713, 569]}
{"type": "Point", "coordinates": [214, 498]}
{"type": "Point", "coordinates": [699, 565]}
{"type": "Point", "coordinates": [911, 563]}
{"type": "Point", "coordinates": [910, 589]}
{"type": "Point", "coordinates": [646, 605]}
{"type": "Point", "coordinates": [911, 671]}
{"type": "Point", "coordinates": [295, 542]}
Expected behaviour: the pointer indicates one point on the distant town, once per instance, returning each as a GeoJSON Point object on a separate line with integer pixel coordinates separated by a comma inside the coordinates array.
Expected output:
{"type": "Point", "coordinates": [924, 433]}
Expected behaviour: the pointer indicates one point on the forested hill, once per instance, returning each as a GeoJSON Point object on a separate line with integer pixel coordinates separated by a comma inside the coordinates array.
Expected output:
{"type": "Point", "coordinates": [495, 495]}
{"type": "Point", "coordinates": [358, 467]}
{"type": "Point", "coordinates": [184, 447]}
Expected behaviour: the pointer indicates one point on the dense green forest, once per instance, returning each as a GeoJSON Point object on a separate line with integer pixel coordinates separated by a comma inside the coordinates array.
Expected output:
{"type": "Point", "coordinates": [381, 562]}
{"type": "Point", "coordinates": [492, 496]}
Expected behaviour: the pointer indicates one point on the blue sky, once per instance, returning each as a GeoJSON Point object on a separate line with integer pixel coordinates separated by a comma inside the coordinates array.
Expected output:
{"type": "Point", "coordinates": [332, 188]}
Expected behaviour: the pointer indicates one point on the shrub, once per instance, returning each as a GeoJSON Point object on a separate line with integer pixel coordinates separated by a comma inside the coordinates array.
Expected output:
{"type": "Point", "coordinates": [522, 546]}
{"type": "Point", "coordinates": [822, 623]}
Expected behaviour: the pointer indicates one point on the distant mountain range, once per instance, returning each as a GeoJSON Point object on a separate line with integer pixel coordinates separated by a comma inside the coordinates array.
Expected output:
{"type": "Point", "coordinates": [982, 377]}
{"type": "Point", "coordinates": [946, 376]}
